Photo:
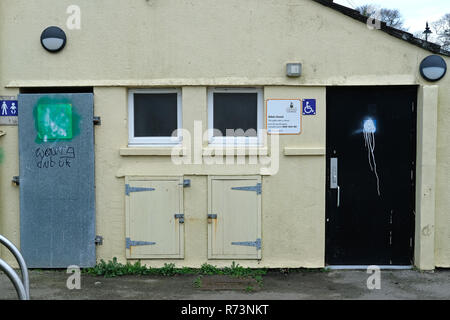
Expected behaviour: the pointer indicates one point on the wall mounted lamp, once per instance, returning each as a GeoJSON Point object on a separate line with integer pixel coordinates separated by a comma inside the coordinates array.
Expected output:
{"type": "Point", "coordinates": [53, 39]}
{"type": "Point", "coordinates": [433, 68]}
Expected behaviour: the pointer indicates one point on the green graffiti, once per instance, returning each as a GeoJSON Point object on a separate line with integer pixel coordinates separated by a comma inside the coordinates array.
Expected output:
{"type": "Point", "coordinates": [55, 120]}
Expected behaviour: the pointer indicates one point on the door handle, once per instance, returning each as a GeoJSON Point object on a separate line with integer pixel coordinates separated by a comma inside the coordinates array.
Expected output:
{"type": "Point", "coordinates": [338, 196]}
{"type": "Point", "coordinates": [334, 178]}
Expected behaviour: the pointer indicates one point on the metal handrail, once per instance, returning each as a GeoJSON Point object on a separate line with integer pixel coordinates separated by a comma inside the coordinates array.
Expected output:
{"type": "Point", "coordinates": [14, 277]}
{"type": "Point", "coordinates": [25, 282]}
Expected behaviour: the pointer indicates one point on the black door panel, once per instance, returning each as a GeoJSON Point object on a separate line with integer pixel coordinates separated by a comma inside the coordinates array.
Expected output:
{"type": "Point", "coordinates": [371, 132]}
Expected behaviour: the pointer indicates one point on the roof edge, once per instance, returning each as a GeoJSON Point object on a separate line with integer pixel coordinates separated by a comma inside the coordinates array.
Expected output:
{"type": "Point", "coordinates": [400, 34]}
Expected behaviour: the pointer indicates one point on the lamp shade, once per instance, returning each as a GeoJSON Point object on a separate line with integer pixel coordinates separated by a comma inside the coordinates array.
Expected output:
{"type": "Point", "coordinates": [53, 39]}
{"type": "Point", "coordinates": [433, 68]}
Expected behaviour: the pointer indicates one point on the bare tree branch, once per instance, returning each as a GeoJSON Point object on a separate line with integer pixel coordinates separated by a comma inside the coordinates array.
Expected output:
{"type": "Point", "coordinates": [441, 28]}
{"type": "Point", "coordinates": [392, 17]}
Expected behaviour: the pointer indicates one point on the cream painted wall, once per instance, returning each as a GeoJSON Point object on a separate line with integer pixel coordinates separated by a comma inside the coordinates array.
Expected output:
{"type": "Point", "coordinates": [442, 219]}
{"type": "Point", "coordinates": [293, 200]}
{"type": "Point", "coordinates": [9, 193]}
{"type": "Point", "coordinates": [194, 44]}
{"type": "Point", "coordinates": [141, 42]}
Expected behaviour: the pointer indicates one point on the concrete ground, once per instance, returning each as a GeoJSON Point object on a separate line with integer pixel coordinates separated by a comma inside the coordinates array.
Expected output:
{"type": "Point", "coordinates": [297, 285]}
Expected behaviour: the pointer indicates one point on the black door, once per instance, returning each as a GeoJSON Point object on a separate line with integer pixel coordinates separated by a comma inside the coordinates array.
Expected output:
{"type": "Point", "coordinates": [371, 139]}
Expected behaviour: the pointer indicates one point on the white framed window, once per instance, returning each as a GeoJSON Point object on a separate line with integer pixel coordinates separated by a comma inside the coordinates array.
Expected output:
{"type": "Point", "coordinates": [154, 115]}
{"type": "Point", "coordinates": [235, 116]}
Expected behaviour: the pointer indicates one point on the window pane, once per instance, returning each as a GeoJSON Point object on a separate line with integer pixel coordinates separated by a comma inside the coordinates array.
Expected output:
{"type": "Point", "coordinates": [236, 111]}
{"type": "Point", "coordinates": [155, 114]}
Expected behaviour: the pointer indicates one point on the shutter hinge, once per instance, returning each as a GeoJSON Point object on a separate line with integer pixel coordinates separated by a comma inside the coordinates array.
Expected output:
{"type": "Point", "coordinates": [256, 244]}
{"type": "Point", "coordinates": [129, 243]}
{"type": "Point", "coordinates": [97, 121]}
{"type": "Point", "coordinates": [16, 180]}
{"type": "Point", "coordinates": [180, 216]}
{"type": "Point", "coordinates": [256, 188]}
{"type": "Point", "coordinates": [98, 240]}
{"type": "Point", "coordinates": [129, 189]}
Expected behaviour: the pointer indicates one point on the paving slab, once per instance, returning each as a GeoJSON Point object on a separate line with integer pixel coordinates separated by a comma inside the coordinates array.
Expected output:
{"type": "Point", "coordinates": [331, 285]}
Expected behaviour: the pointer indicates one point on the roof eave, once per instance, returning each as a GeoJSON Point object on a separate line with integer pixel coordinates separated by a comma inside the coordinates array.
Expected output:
{"type": "Point", "coordinates": [400, 34]}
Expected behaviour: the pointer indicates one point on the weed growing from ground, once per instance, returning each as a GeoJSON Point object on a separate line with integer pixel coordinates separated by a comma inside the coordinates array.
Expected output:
{"type": "Point", "coordinates": [114, 268]}
{"type": "Point", "coordinates": [198, 282]}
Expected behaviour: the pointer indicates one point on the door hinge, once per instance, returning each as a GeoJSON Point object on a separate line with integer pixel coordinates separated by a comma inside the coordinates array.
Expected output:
{"type": "Point", "coordinates": [256, 188]}
{"type": "Point", "coordinates": [16, 180]}
{"type": "Point", "coordinates": [129, 189]}
{"type": "Point", "coordinates": [256, 244]}
{"type": "Point", "coordinates": [180, 216]}
{"type": "Point", "coordinates": [130, 243]}
{"type": "Point", "coordinates": [97, 121]}
{"type": "Point", "coordinates": [98, 240]}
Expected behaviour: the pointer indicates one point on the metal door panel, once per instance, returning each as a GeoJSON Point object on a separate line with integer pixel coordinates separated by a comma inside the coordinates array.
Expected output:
{"type": "Point", "coordinates": [57, 199]}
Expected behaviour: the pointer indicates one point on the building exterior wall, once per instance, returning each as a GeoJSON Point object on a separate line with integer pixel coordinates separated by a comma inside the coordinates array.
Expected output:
{"type": "Point", "coordinates": [194, 45]}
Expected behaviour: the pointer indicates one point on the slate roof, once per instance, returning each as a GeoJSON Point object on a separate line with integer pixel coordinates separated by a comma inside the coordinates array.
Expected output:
{"type": "Point", "coordinates": [400, 34]}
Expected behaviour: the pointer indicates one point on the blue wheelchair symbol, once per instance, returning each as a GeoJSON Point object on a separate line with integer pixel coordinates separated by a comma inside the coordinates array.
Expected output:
{"type": "Point", "coordinates": [309, 107]}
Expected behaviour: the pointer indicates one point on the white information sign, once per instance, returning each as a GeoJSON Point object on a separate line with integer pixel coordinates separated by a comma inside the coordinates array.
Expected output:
{"type": "Point", "coordinates": [284, 116]}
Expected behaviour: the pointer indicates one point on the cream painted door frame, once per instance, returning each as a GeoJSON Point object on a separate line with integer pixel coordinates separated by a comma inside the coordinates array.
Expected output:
{"type": "Point", "coordinates": [427, 110]}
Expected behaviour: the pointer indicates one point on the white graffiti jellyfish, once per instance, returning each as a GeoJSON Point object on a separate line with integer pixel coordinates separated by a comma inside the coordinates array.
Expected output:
{"type": "Point", "coordinates": [369, 130]}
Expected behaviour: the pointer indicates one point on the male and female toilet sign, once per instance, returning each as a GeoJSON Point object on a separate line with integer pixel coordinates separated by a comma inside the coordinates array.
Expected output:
{"type": "Point", "coordinates": [8, 111]}
{"type": "Point", "coordinates": [8, 108]}
{"type": "Point", "coordinates": [284, 116]}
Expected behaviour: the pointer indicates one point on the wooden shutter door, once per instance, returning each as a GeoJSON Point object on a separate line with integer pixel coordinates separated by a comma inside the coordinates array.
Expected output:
{"type": "Point", "coordinates": [234, 229]}
{"type": "Point", "coordinates": [154, 228]}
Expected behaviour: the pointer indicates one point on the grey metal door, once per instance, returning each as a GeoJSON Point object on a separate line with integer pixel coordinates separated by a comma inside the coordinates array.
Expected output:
{"type": "Point", "coordinates": [57, 199]}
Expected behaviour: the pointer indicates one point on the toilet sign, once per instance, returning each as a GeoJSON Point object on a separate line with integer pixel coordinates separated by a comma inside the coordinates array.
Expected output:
{"type": "Point", "coordinates": [284, 116]}
{"type": "Point", "coordinates": [8, 111]}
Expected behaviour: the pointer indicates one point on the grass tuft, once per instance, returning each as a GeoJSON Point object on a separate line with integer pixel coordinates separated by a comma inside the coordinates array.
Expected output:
{"type": "Point", "coordinates": [114, 269]}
